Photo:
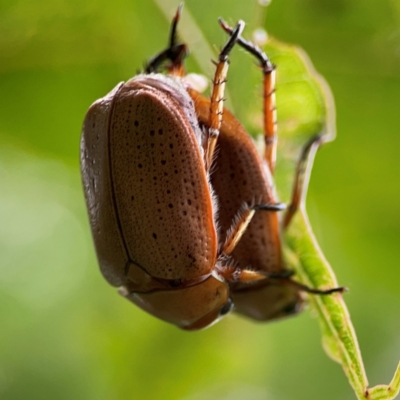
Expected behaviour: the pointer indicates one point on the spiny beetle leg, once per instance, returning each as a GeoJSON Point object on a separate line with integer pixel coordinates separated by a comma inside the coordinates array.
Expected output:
{"type": "Point", "coordinates": [217, 96]}
{"type": "Point", "coordinates": [246, 275]}
{"type": "Point", "coordinates": [175, 20]}
{"type": "Point", "coordinates": [300, 183]}
{"type": "Point", "coordinates": [235, 274]}
{"type": "Point", "coordinates": [241, 222]}
{"type": "Point", "coordinates": [283, 277]}
{"type": "Point", "coordinates": [284, 274]}
{"type": "Point", "coordinates": [307, 289]}
{"type": "Point", "coordinates": [175, 52]}
{"type": "Point", "coordinates": [238, 227]}
{"type": "Point", "coordinates": [268, 70]}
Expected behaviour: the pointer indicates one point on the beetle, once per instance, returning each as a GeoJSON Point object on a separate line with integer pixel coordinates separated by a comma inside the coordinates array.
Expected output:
{"type": "Point", "coordinates": [147, 149]}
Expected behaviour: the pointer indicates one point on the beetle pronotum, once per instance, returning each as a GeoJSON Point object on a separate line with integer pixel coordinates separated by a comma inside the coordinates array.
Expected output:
{"type": "Point", "coordinates": [146, 153]}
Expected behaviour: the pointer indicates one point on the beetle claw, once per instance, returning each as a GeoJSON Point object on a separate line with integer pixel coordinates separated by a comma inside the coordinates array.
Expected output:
{"type": "Point", "coordinates": [305, 288]}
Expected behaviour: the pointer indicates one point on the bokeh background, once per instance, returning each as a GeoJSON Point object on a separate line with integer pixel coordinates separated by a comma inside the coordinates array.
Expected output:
{"type": "Point", "coordinates": [64, 333]}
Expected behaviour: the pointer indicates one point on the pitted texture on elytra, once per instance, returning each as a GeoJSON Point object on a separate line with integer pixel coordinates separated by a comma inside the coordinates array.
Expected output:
{"type": "Point", "coordinates": [160, 185]}
{"type": "Point", "coordinates": [98, 190]}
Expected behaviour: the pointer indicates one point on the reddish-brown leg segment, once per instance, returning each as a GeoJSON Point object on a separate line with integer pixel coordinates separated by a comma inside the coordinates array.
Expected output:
{"type": "Point", "coordinates": [300, 183]}
{"type": "Point", "coordinates": [268, 70]}
{"type": "Point", "coordinates": [175, 52]}
{"type": "Point", "coordinates": [217, 96]}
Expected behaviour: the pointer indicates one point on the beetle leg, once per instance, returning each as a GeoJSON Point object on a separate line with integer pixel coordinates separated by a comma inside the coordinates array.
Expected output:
{"type": "Point", "coordinates": [305, 288]}
{"type": "Point", "coordinates": [235, 232]}
{"type": "Point", "coordinates": [175, 52]}
{"type": "Point", "coordinates": [217, 96]}
{"type": "Point", "coordinates": [245, 275]}
{"type": "Point", "coordinates": [235, 274]}
{"type": "Point", "coordinates": [268, 70]}
{"type": "Point", "coordinates": [300, 180]}
{"type": "Point", "coordinates": [241, 221]}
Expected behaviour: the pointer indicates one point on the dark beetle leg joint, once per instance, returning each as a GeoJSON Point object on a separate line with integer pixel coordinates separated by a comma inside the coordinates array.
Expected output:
{"type": "Point", "coordinates": [175, 52]}
{"type": "Point", "coordinates": [305, 288]}
{"type": "Point", "coordinates": [270, 207]}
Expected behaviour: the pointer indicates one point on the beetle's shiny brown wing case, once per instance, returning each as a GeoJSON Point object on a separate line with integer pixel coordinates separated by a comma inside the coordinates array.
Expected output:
{"type": "Point", "coordinates": [160, 187]}
{"type": "Point", "coordinates": [98, 190]}
{"type": "Point", "coordinates": [240, 176]}
{"type": "Point", "coordinates": [149, 201]}
{"type": "Point", "coordinates": [191, 308]}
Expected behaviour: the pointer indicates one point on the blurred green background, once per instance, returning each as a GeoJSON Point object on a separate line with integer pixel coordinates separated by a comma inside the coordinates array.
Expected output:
{"type": "Point", "coordinates": [65, 333]}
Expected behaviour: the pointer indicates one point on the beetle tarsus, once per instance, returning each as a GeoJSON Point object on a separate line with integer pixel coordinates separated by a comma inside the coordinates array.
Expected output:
{"type": "Point", "coordinates": [175, 52]}
{"type": "Point", "coordinates": [233, 274]}
{"type": "Point", "coordinates": [270, 207]}
{"type": "Point", "coordinates": [269, 112]}
{"type": "Point", "coordinates": [305, 288]}
{"type": "Point", "coordinates": [281, 274]}
{"type": "Point", "coordinates": [235, 35]}
{"type": "Point", "coordinates": [177, 17]}
{"type": "Point", "coordinates": [265, 62]}
{"type": "Point", "coordinates": [217, 106]}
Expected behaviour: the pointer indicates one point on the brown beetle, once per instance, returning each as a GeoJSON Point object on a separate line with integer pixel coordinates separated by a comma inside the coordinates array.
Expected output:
{"type": "Point", "coordinates": [146, 151]}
